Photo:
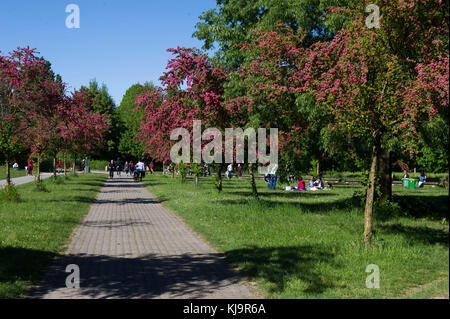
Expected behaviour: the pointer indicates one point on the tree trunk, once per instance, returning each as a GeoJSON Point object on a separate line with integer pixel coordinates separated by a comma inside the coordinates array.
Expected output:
{"type": "Point", "coordinates": [368, 211]}
{"type": "Point", "coordinates": [384, 175]}
{"type": "Point", "coordinates": [252, 180]}
{"type": "Point", "coordinates": [38, 170]}
{"type": "Point", "coordinates": [73, 166]}
{"type": "Point", "coordinates": [64, 164]}
{"type": "Point", "coordinates": [219, 176]}
{"type": "Point", "coordinates": [318, 168]}
{"type": "Point", "coordinates": [8, 171]}
{"type": "Point", "coordinates": [54, 167]}
{"type": "Point", "coordinates": [196, 179]}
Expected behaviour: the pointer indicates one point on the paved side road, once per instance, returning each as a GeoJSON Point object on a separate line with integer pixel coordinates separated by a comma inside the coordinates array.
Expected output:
{"type": "Point", "coordinates": [130, 246]}
{"type": "Point", "coordinates": [24, 179]}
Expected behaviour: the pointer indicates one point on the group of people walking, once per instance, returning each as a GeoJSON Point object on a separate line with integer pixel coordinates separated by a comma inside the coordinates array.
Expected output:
{"type": "Point", "coordinates": [130, 168]}
{"type": "Point", "coordinates": [229, 172]}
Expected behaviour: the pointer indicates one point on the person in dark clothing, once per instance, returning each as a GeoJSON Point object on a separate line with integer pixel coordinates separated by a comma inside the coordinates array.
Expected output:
{"type": "Point", "coordinates": [206, 170]}
{"type": "Point", "coordinates": [111, 169]}
{"type": "Point", "coordinates": [118, 166]}
{"type": "Point", "coordinates": [239, 170]}
{"type": "Point", "coordinates": [131, 167]}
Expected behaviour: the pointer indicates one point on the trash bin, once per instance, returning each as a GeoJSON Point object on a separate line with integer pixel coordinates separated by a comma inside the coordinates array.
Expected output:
{"type": "Point", "coordinates": [412, 183]}
{"type": "Point", "coordinates": [405, 182]}
{"type": "Point", "coordinates": [87, 169]}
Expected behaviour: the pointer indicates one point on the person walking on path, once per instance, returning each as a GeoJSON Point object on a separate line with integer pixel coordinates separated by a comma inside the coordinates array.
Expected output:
{"type": "Point", "coordinates": [118, 166]}
{"type": "Point", "coordinates": [127, 168]}
{"type": "Point", "coordinates": [273, 177]}
{"type": "Point", "coordinates": [140, 170]}
{"type": "Point", "coordinates": [151, 167]}
{"type": "Point", "coordinates": [60, 164]}
{"type": "Point", "coordinates": [230, 171]}
{"type": "Point", "coordinates": [131, 168]}
{"type": "Point", "coordinates": [111, 169]}
{"type": "Point", "coordinates": [239, 170]}
{"type": "Point", "coordinates": [30, 167]}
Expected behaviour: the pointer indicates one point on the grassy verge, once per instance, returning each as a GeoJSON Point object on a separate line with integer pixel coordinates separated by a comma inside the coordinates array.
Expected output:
{"type": "Point", "coordinates": [309, 244]}
{"type": "Point", "coordinates": [14, 173]}
{"type": "Point", "coordinates": [37, 228]}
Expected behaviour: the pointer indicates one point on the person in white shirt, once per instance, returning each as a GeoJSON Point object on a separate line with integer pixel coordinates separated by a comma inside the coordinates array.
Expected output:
{"type": "Point", "coordinates": [140, 170]}
{"type": "Point", "coordinates": [230, 171]}
{"type": "Point", "coordinates": [15, 166]}
{"type": "Point", "coordinates": [273, 168]}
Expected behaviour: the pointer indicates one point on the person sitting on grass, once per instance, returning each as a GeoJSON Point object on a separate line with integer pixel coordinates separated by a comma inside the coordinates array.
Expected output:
{"type": "Point", "coordinates": [311, 183]}
{"type": "Point", "coordinates": [422, 179]}
{"type": "Point", "coordinates": [301, 184]}
{"type": "Point", "coordinates": [317, 185]}
{"type": "Point", "coordinates": [328, 185]}
{"type": "Point", "coordinates": [405, 175]}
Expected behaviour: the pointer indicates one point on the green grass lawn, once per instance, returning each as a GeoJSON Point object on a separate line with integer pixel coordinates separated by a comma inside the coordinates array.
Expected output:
{"type": "Point", "coordinates": [14, 173]}
{"type": "Point", "coordinates": [309, 244]}
{"type": "Point", "coordinates": [37, 228]}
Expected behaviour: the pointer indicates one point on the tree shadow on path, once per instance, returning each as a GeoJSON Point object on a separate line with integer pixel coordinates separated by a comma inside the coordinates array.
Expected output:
{"type": "Point", "coordinates": [149, 276]}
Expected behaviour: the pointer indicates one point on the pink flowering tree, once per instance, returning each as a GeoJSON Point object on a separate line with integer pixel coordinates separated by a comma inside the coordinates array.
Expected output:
{"type": "Point", "coordinates": [267, 82]}
{"type": "Point", "coordinates": [192, 90]}
{"type": "Point", "coordinates": [382, 81]}
{"type": "Point", "coordinates": [82, 131]}
{"type": "Point", "coordinates": [10, 112]}
{"type": "Point", "coordinates": [41, 127]}
{"type": "Point", "coordinates": [375, 83]}
{"type": "Point", "coordinates": [20, 72]}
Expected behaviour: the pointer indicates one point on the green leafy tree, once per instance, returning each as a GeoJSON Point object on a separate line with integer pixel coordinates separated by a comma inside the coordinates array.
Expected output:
{"type": "Point", "coordinates": [104, 104]}
{"type": "Point", "coordinates": [130, 117]}
{"type": "Point", "coordinates": [230, 23]}
{"type": "Point", "coordinates": [433, 155]}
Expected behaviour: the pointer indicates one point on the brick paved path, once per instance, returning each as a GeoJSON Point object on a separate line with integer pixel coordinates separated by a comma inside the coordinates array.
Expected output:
{"type": "Point", "coordinates": [130, 246]}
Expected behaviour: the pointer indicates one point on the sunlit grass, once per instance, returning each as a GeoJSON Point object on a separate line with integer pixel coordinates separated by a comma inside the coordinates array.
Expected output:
{"type": "Point", "coordinates": [309, 244]}
{"type": "Point", "coordinates": [35, 229]}
{"type": "Point", "coordinates": [14, 173]}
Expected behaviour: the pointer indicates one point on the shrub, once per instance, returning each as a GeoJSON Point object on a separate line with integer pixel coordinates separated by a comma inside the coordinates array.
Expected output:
{"type": "Point", "coordinates": [443, 181]}
{"type": "Point", "coordinates": [40, 187]}
{"type": "Point", "coordinates": [57, 179]}
{"type": "Point", "coordinates": [183, 171]}
{"type": "Point", "coordinates": [388, 209]}
{"type": "Point", "coordinates": [9, 193]}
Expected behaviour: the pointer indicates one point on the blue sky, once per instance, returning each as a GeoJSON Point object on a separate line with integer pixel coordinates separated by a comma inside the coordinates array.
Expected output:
{"type": "Point", "coordinates": [118, 43]}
